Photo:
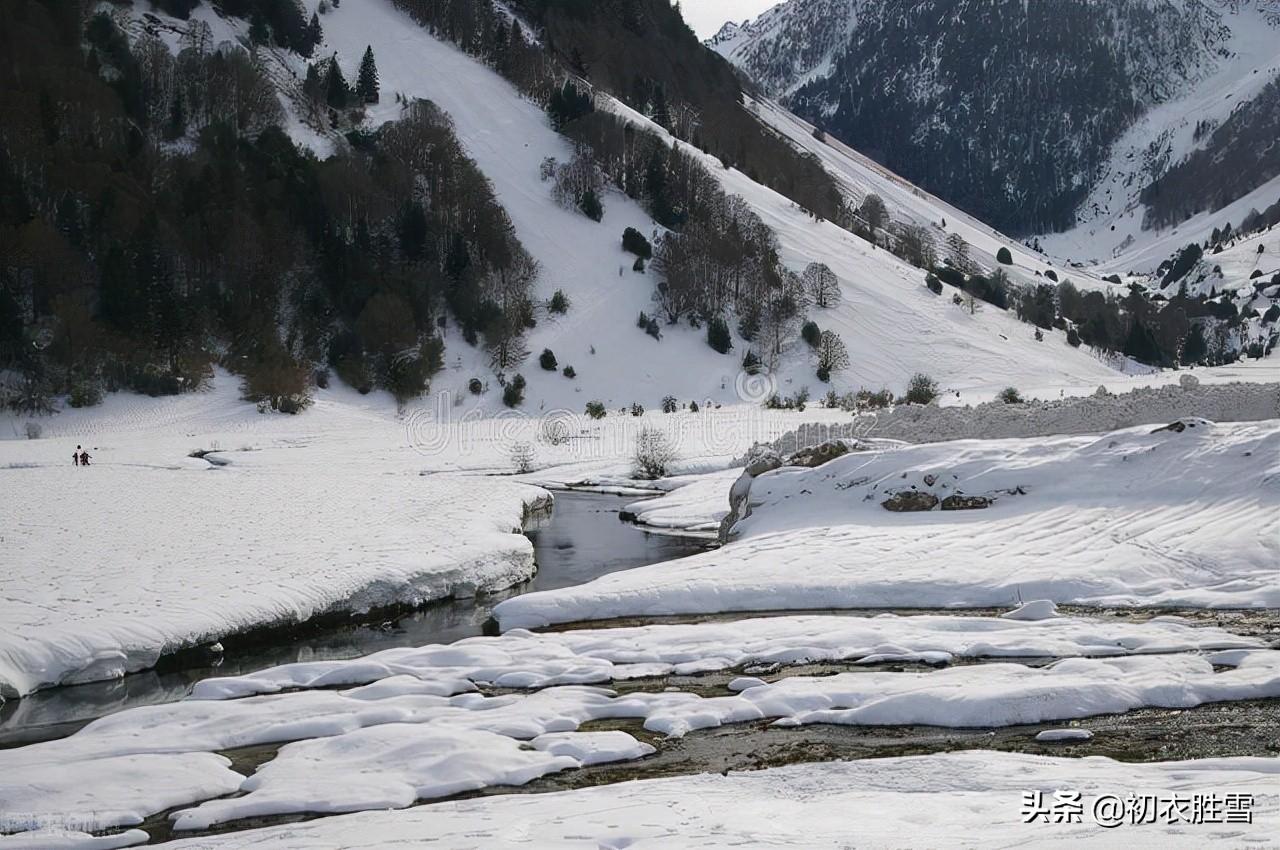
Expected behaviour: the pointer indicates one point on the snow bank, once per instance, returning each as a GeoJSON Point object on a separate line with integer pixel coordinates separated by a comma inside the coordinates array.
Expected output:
{"type": "Point", "coordinates": [107, 568]}
{"type": "Point", "coordinates": [537, 660]}
{"type": "Point", "coordinates": [1129, 519]}
{"type": "Point", "coordinates": [939, 801]}
{"type": "Point", "coordinates": [101, 793]}
{"type": "Point", "coordinates": [392, 766]}
{"type": "Point", "coordinates": [1235, 402]}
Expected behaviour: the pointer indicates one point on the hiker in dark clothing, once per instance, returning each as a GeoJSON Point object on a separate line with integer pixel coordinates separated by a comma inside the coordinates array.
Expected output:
{"type": "Point", "coordinates": [75, 457]}
{"type": "Point", "coordinates": [84, 458]}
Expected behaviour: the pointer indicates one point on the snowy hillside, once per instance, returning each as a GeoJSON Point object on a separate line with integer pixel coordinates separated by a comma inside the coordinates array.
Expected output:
{"type": "Point", "coordinates": [892, 325]}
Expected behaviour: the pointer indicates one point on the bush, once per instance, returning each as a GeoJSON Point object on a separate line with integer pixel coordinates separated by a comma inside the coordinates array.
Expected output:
{"type": "Point", "coordinates": [559, 303]}
{"type": "Point", "coordinates": [596, 410]}
{"type": "Point", "coordinates": [1010, 395]}
{"type": "Point", "coordinates": [921, 389]}
{"type": "Point", "coordinates": [475, 386]}
{"type": "Point", "coordinates": [547, 360]}
{"type": "Point", "coordinates": [669, 404]}
{"type": "Point", "coordinates": [810, 333]}
{"type": "Point", "coordinates": [934, 283]}
{"type": "Point", "coordinates": [569, 372]}
{"type": "Point", "coordinates": [750, 363]}
{"type": "Point", "coordinates": [693, 407]}
{"type": "Point", "coordinates": [824, 374]}
{"type": "Point", "coordinates": [649, 324]}
{"type": "Point", "coordinates": [1073, 337]}
{"type": "Point", "coordinates": [591, 206]}
{"type": "Point", "coordinates": [1052, 275]}
{"type": "Point", "coordinates": [654, 453]}
{"type": "Point", "coordinates": [637, 409]}
{"type": "Point", "coordinates": [638, 265]}
{"type": "Point", "coordinates": [718, 336]}
{"type": "Point", "coordinates": [513, 392]}
{"type": "Point", "coordinates": [85, 394]}
{"type": "Point", "coordinates": [633, 242]}
{"type": "Point", "coordinates": [1004, 257]}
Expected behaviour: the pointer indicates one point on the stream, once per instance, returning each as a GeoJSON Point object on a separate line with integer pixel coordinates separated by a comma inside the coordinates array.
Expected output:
{"type": "Point", "coordinates": [581, 540]}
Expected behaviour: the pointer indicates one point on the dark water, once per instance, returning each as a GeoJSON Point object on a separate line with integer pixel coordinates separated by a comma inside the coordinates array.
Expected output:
{"type": "Point", "coordinates": [583, 539]}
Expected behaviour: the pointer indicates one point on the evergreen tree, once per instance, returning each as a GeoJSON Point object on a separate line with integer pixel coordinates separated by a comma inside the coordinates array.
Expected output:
{"type": "Point", "coordinates": [176, 127]}
{"type": "Point", "coordinates": [258, 31]}
{"type": "Point", "coordinates": [337, 92]}
{"type": "Point", "coordinates": [367, 81]}
{"type": "Point", "coordinates": [313, 37]}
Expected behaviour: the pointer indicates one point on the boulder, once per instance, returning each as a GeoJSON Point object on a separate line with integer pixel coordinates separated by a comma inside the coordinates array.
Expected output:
{"type": "Point", "coordinates": [818, 455]}
{"type": "Point", "coordinates": [760, 459]}
{"type": "Point", "coordinates": [909, 501]}
{"type": "Point", "coordinates": [959, 502]}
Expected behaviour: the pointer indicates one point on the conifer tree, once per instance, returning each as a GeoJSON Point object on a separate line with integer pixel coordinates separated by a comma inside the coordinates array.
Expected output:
{"type": "Point", "coordinates": [313, 37]}
{"type": "Point", "coordinates": [367, 81]}
{"type": "Point", "coordinates": [336, 89]}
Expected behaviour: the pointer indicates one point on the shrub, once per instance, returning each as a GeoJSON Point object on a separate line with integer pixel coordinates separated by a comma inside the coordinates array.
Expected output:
{"type": "Point", "coordinates": [559, 303]}
{"type": "Point", "coordinates": [85, 394]}
{"type": "Point", "coordinates": [669, 404]}
{"type": "Point", "coordinates": [638, 265]}
{"type": "Point", "coordinates": [321, 378]}
{"type": "Point", "coordinates": [750, 363]}
{"type": "Point", "coordinates": [633, 242]}
{"type": "Point", "coordinates": [547, 360]}
{"type": "Point", "coordinates": [921, 389]}
{"type": "Point", "coordinates": [693, 407]}
{"type": "Point", "coordinates": [718, 336]}
{"type": "Point", "coordinates": [824, 374]}
{"type": "Point", "coordinates": [1052, 275]}
{"type": "Point", "coordinates": [522, 457]}
{"type": "Point", "coordinates": [649, 324]}
{"type": "Point", "coordinates": [475, 386]}
{"type": "Point", "coordinates": [934, 283]}
{"type": "Point", "coordinates": [569, 372]}
{"type": "Point", "coordinates": [1010, 395]}
{"type": "Point", "coordinates": [1004, 257]}
{"type": "Point", "coordinates": [513, 392]}
{"type": "Point", "coordinates": [591, 206]}
{"type": "Point", "coordinates": [1112, 278]}
{"type": "Point", "coordinates": [654, 453]}
{"type": "Point", "coordinates": [637, 409]}
{"type": "Point", "coordinates": [809, 333]}
{"type": "Point", "coordinates": [596, 410]}
{"type": "Point", "coordinates": [1073, 337]}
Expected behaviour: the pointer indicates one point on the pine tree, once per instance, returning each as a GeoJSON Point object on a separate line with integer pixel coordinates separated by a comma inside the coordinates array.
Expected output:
{"type": "Point", "coordinates": [336, 89]}
{"type": "Point", "coordinates": [313, 37]}
{"type": "Point", "coordinates": [367, 81]}
{"type": "Point", "coordinates": [258, 32]}
{"type": "Point", "coordinates": [176, 127]}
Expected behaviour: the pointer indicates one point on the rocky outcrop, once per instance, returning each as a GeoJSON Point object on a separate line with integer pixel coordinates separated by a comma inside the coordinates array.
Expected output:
{"type": "Point", "coordinates": [960, 502]}
{"type": "Point", "coordinates": [910, 501]}
{"type": "Point", "coordinates": [818, 455]}
{"type": "Point", "coordinates": [760, 459]}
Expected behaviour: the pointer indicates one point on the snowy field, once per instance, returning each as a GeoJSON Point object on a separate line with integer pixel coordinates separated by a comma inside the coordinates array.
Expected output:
{"type": "Point", "coordinates": [1133, 518]}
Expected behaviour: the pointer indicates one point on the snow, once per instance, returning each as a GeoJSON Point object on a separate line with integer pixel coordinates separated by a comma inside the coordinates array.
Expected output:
{"type": "Point", "coordinates": [148, 551]}
{"type": "Point", "coordinates": [523, 659]}
{"type": "Point", "coordinates": [1053, 736]}
{"type": "Point", "coordinates": [394, 765]}
{"type": "Point", "coordinates": [1132, 518]}
{"type": "Point", "coordinates": [64, 839]}
{"type": "Point", "coordinates": [873, 803]}
{"type": "Point", "coordinates": [113, 791]}
{"type": "Point", "coordinates": [1040, 609]}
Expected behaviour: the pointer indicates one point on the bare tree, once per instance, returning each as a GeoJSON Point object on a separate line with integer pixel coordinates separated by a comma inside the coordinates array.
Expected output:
{"type": "Point", "coordinates": [832, 354]}
{"type": "Point", "coordinates": [873, 212]}
{"type": "Point", "coordinates": [822, 285]}
{"type": "Point", "coordinates": [915, 245]}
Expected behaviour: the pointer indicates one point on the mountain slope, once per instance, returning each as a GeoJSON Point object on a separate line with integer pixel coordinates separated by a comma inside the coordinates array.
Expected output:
{"type": "Point", "coordinates": [1009, 110]}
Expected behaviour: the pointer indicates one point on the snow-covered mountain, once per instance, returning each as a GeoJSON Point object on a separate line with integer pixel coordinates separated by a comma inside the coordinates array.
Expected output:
{"type": "Point", "coordinates": [1035, 117]}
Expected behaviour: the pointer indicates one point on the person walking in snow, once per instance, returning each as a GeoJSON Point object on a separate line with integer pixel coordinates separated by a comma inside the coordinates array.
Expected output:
{"type": "Point", "coordinates": [84, 458]}
{"type": "Point", "coordinates": [75, 457]}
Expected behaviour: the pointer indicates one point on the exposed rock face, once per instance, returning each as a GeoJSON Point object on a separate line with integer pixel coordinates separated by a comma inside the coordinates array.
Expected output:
{"type": "Point", "coordinates": [760, 459]}
{"type": "Point", "coordinates": [961, 502]}
{"type": "Point", "coordinates": [818, 455]}
{"type": "Point", "coordinates": [910, 501]}
{"type": "Point", "coordinates": [1193, 424]}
